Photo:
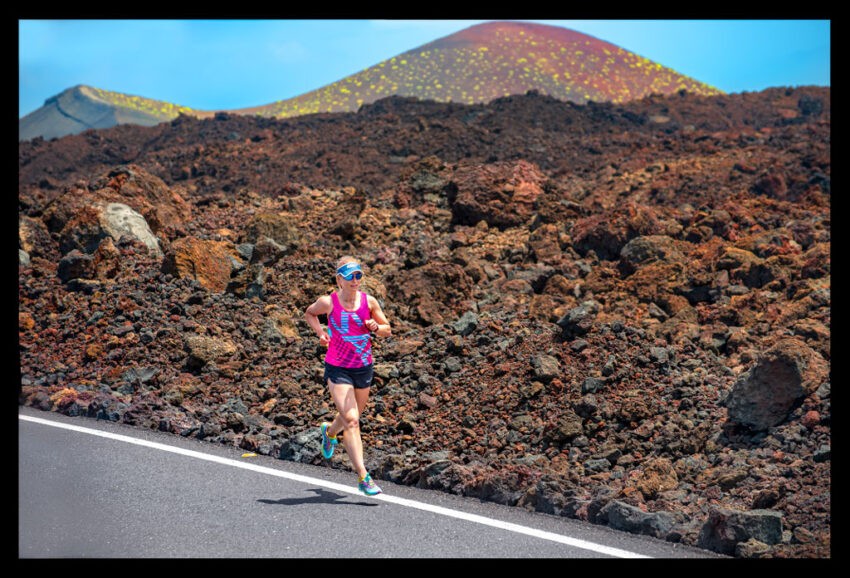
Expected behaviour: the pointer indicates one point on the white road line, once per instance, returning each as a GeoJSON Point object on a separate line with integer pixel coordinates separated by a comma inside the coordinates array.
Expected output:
{"type": "Point", "coordinates": [575, 542]}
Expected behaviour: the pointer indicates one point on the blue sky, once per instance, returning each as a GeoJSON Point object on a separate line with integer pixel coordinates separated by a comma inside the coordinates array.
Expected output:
{"type": "Point", "coordinates": [228, 64]}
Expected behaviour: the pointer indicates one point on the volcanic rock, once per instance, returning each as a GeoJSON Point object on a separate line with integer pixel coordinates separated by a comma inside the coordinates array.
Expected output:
{"type": "Point", "coordinates": [162, 207]}
{"type": "Point", "coordinates": [606, 234]}
{"type": "Point", "coordinates": [34, 238]}
{"type": "Point", "coordinates": [206, 261]}
{"type": "Point", "coordinates": [726, 528]}
{"type": "Point", "coordinates": [649, 249]}
{"type": "Point", "coordinates": [118, 219]}
{"type": "Point", "coordinates": [622, 516]}
{"type": "Point", "coordinates": [281, 230]}
{"type": "Point", "coordinates": [99, 209]}
{"type": "Point", "coordinates": [433, 292]}
{"type": "Point", "coordinates": [579, 320]}
{"type": "Point", "coordinates": [545, 367]}
{"type": "Point", "coordinates": [107, 259]}
{"type": "Point", "coordinates": [502, 194]}
{"type": "Point", "coordinates": [752, 548]}
{"type": "Point", "coordinates": [567, 427]}
{"type": "Point", "coordinates": [785, 374]}
{"type": "Point", "coordinates": [545, 243]}
{"type": "Point", "coordinates": [76, 265]}
{"type": "Point", "coordinates": [467, 323]}
{"type": "Point", "coordinates": [657, 476]}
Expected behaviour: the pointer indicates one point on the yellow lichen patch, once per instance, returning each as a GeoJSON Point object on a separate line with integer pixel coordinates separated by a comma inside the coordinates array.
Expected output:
{"type": "Point", "coordinates": [157, 108]}
{"type": "Point", "coordinates": [64, 397]}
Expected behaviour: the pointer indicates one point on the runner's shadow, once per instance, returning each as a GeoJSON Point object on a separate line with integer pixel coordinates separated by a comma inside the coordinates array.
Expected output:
{"type": "Point", "coordinates": [321, 497]}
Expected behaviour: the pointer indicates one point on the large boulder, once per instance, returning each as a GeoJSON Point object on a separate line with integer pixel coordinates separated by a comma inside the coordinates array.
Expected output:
{"type": "Point", "coordinates": [279, 231]}
{"type": "Point", "coordinates": [607, 233]}
{"type": "Point", "coordinates": [726, 528]}
{"type": "Point", "coordinates": [203, 349]}
{"type": "Point", "coordinates": [781, 378]}
{"type": "Point", "coordinates": [650, 249]}
{"type": "Point", "coordinates": [628, 518]}
{"type": "Point", "coordinates": [93, 223]}
{"type": "Point", "coordinates": [208, 262]}
{"type": "Point", "coordinates": [34, 238]}
{"type": "Point", "coordinates": [161, 207]}
{"type": "Point", "coordinates": [431, 294]}
{"type": "Point", "coordinates": [502, 194]}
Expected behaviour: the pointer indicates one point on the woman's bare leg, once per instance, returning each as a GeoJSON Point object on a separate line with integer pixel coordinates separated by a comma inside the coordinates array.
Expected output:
{"type": "Point", "coordinates": [338, 423]}
{"type": "Point", "coordinates": [348, 403]}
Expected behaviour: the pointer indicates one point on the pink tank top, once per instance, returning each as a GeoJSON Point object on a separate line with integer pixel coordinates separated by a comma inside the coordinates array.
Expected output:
{"type": "Point", "coordinates": [351, 341]}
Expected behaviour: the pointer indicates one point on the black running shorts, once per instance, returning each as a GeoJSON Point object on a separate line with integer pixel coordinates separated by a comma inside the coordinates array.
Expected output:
{"type": "Point", "coordinates": [359, 377]}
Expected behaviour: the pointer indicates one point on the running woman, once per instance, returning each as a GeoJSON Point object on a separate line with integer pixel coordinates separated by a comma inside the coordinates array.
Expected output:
{"type": "Point", "coordinates": [352, 318]}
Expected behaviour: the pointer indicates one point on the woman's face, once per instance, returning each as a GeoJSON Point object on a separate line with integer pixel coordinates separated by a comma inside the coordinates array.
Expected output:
{"type": "Point", "coordinates": [353, 283]}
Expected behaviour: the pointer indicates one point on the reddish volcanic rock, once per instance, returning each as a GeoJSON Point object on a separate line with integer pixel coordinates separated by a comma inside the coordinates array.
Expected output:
{"type": "Point", "coordinates": [162, 206]}
{"type": "Point", "coordinates": [34, 238]}
{"type": "Point", "coordinates": [545, 243]}
{"type": "Point", "coordinates": [811, 419]}
{"type": "Point", "coordinates": [501, 194]}
{"type": "Point", "coordinates": [607, 233]}
{"type": "Point", "coordinates": [208, 262]}
{"type": "Point", "coordinates": [107, 259]}
{"type": "Point", "coordinates": [283, 230]}
{"type": "Point", "coordinates": [431, 293]}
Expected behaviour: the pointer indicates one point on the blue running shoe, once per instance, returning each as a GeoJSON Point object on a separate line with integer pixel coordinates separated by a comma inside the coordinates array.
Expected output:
{"type": "Point", "coordinates": [328, 443]}
{"type": "Point", "coordinates": [368, 486]}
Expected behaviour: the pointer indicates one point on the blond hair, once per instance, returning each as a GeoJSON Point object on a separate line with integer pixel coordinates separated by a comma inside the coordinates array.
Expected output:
{"type": "Point", "coordinates": [347, 259]}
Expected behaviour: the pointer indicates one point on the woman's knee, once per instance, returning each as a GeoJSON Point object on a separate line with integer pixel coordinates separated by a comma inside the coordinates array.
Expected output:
{"type": "Point", "coordinates": [352, 419]}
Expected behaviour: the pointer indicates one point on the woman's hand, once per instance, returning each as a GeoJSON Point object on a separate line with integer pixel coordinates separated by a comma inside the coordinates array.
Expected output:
{"type": "Point", "coordinates": [378, 323]}
{"type": "Point", "coordinates": [324, 339]}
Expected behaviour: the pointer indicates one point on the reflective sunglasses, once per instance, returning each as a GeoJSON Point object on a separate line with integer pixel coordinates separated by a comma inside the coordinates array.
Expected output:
{"type": "Point", "coordinates": [355, 275]}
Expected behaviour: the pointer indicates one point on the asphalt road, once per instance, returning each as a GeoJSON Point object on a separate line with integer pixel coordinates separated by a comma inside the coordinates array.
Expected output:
{"type": "Point", "coordinates": [147, 494]}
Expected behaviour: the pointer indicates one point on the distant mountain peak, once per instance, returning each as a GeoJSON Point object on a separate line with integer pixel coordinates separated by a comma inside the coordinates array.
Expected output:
{"type": "Point", "coordinates": [497, 59]}
{"type": "Point", "coordinates": [83, 107]}
{"type": "Point", "coordinates": [486, 32]}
